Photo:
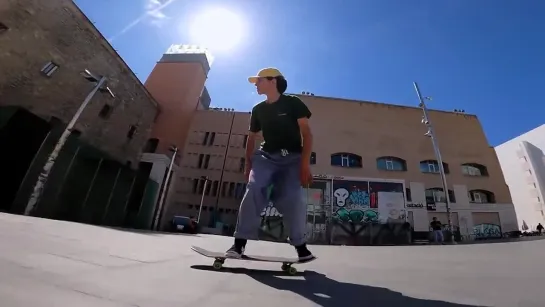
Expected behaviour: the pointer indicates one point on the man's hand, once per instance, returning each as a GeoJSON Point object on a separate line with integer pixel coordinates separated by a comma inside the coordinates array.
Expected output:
{"type": "Point", "coordinates": [306, 175]}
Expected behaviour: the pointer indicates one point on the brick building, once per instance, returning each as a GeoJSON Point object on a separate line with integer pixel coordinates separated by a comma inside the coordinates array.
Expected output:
{"type": "Point", "coordinates": [360, 149]}
{"type": "Point", "coordinates": [44, 47]}
{"type": "Point", "coordinates": [42, 52]}
{"type": "Point", "coordinates": [177, 83]}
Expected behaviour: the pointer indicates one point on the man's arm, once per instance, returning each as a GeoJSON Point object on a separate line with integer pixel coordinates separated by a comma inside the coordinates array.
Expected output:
{"type": "Point", "coordinates": [250, 146]}
{"type": "Point", "coordinates": [303, 115]}
{"type": "Point", "coordinates": [306, 133]}
{"type": "Point", "coordinates": [255, 127]}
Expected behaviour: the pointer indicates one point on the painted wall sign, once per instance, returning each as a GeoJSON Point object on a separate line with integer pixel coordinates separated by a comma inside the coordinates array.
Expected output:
{"type": "Point", "coordinates": [415, 205]}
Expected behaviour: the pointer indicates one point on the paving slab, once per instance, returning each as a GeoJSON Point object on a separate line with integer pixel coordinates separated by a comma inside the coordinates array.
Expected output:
{"type": "Point", "coordinates": [55, 263]}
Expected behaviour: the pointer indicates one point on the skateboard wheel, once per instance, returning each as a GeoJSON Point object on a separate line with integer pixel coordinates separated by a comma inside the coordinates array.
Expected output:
{"type": "Point", "coordinates": [292, 271]}
{"type": "Point", "coordinates": [285, 267]}
{"type": "Point", "coordinates": [217, 265]}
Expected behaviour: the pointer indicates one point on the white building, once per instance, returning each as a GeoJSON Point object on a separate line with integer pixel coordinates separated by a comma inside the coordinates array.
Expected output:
{"type": "Point", "coordinates": [523, 164]}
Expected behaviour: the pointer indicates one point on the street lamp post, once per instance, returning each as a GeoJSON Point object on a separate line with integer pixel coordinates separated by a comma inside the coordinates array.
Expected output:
{"type": "Point", "coordinates": [431, 133]}
{"type": "Point", "coordinates": [155, 225]}
{"type": "Point", "coordinates": [100, 85]}
{"type": "Point", "coordinates": [202, 196]}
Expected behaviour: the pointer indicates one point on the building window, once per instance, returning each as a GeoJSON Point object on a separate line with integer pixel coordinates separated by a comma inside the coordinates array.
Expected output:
{"type": "Point", "coordinates": [212, 138]}
{"type": "Point", "coordinates": [201, 186]}
{"type": "Point", "coordinates": [346, 160]}
{"type": "Point", "coordinates": [206, 161]}
{"type": "Point", "coordinates": [312, 158]}
{"type": "Point", "coordinates": [439, 196]}
{"type": "Point", "coordinates": [215, 185]}
{"type": "Point", "coordinates": [131, 132]}
{"type": "Point", "coordinates": [391, 164]}
{"type": "Point", "coordinates": [481, 196]}
{"type": "Point", "coordinates": [195, 186]}
{"type": "Point", "coordinates": [474, 169]}
{"type": "Point", "coordinates": [105, 111]}
{"type": "Point", "coordinates": [223, 189]}
{"type": "Point", "coordinates": [201, 158]}
{"type": "Point", "coordinates": [49, 69]}
{"type": "Point", "coordinates": [208, 187]}
{"type": "Point", "coordinates": [242, 165]}
{"type": "Point", "coordinates": [3, 28]}
{"type": "Point", "coordinates": [151, 145]}
{"type": "Point", "coordinates": [205, 140]}
{"type": "Point", "coordinates": [231, 192]}
{"type": "Point", "coordinates": [432, 166]}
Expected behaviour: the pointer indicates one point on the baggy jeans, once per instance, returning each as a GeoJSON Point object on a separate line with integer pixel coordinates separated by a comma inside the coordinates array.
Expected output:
{"type": "Point", "coordinates": [282, 171]}
{"type": "Point", "coordinates": [438, 236]}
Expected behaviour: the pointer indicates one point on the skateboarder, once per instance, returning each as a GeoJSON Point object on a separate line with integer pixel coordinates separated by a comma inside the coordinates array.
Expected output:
{"type": "Point", "coordinates": [283, 160]}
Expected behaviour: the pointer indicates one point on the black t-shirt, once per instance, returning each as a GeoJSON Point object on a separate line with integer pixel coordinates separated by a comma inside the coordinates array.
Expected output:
{"type": "Point", "coordinates": [435, 225]}
{"type": "Point", "coordinates": [278, 123]}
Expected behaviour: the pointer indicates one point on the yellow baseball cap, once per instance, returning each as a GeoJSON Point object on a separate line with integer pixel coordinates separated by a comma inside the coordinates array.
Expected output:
{"type": "Point", "coordinates": [264, 73]}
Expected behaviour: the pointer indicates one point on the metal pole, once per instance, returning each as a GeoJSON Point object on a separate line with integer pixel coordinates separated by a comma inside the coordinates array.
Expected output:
{"type": "Point", "coordinates": [202, 199]}
{"type": "Point", "coordinates": [426, 121]}
{"type": "Point", "coordinates": [44, 175]}
{"type": "Point", "coordinates": [163, 193]}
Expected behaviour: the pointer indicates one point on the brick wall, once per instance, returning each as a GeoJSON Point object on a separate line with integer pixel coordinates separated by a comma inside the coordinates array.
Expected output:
{"type": "Point", "coordinates": [40, 32]}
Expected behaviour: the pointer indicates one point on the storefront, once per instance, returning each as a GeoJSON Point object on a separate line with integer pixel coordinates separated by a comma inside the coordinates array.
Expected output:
{"type": "Point", "coordinates": [348, 211]}
{"type": "Point", "coordinates": [364, 211]}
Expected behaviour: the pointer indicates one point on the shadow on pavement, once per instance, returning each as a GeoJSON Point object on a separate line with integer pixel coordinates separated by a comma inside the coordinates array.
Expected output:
{"type": "Point", "coordinates": [326, 292]}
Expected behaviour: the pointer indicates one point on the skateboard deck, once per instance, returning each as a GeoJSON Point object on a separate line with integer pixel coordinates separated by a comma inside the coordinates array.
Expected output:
{"type": "Point", "coordinates": [220, 259]}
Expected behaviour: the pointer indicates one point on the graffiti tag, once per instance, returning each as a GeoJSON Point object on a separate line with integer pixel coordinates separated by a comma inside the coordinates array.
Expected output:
{"type": "Point", "coordinates": [485, 230]}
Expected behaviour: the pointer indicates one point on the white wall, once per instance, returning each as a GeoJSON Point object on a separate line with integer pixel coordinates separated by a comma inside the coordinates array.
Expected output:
{"type": "Point", "coordinates": [522, 163]}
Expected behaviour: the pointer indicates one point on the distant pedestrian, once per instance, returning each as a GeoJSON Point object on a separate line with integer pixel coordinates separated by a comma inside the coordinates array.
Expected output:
{"type": "Point", "coordinates": [539, 228]}
{"type": "Point", "coordinates": [437, 230]}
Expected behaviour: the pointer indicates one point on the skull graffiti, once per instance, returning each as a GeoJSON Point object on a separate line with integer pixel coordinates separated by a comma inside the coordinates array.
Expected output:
{"type": "Point", "coordinates": [341, 194]}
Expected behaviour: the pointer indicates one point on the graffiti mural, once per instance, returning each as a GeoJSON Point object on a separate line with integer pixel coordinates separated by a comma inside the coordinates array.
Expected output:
{"type": "Point", "coordinates": [351, 202]}
{"type": "Point", "coordinates": [342, 211]}
{"type": "Point", "coordinates": [486, 231]}
{"type": "Point", "coordinates": [356, 218]}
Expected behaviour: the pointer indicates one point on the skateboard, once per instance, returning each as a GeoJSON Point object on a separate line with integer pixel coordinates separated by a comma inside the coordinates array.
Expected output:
{"type": "Point", "coordinates": [220, 259]}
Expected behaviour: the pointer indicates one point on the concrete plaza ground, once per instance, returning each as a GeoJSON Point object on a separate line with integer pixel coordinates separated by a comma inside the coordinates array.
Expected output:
{"type": "Point", "coordinates": [52, 263]}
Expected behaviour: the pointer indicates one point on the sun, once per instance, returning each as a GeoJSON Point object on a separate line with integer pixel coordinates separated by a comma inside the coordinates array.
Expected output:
{"type": "Point", "coordinates": [218, 29]}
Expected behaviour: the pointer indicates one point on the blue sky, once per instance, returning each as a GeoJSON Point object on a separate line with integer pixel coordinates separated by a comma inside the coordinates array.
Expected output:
{"type": "Point", "coordinates": [486, 57]}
